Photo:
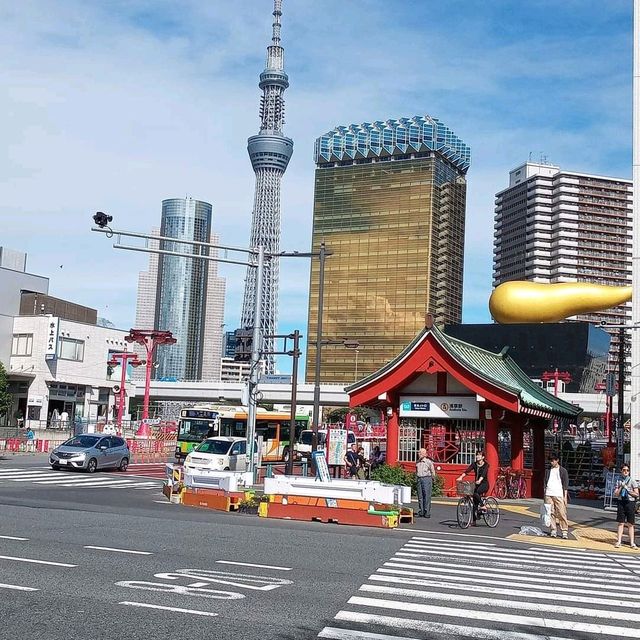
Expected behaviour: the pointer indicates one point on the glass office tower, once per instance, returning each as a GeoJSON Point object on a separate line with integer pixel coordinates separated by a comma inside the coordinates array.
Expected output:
{"type": "Point", "coordinates": [390, 206]}
{"type": "Point", "coordinates": [182, 289]}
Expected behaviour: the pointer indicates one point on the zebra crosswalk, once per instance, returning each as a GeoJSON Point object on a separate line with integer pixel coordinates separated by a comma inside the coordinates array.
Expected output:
{"type": "Point", "coordinates": [46, 477]}
{"type": "Point", "coordinates": [461, 588]}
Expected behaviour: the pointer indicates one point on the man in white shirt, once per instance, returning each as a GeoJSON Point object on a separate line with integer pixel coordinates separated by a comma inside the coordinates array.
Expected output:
{"type": "Point", "coordinates": [556, 485]}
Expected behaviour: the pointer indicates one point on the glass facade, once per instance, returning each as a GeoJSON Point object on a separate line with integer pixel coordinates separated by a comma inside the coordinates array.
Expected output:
{"type": "Point", "coordinates": [182, 289]}
{"type": "Point", "coordinates": [395, 227]}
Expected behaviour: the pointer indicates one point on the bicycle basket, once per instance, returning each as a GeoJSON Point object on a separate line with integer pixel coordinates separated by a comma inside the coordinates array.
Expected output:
{"type": "Point", "coordinates": [465, 487]}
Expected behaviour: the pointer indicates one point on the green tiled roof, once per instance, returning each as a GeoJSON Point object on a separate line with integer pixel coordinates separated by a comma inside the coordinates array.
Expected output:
{"type": "Point", "coordinates": [496, 368]}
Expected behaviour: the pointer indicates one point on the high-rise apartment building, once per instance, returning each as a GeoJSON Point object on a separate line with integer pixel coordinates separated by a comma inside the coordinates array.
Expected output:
{"type": "Point", "coordinates": [390, 205]}
{"type": "Point", "coordinates": [553, 225]}
{"type": "Point", "coordinates": [184, 295]}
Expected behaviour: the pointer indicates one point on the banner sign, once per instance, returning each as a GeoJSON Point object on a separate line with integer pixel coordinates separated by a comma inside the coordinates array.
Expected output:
{"type": "Point", "coordinates": [52, 339]}
{"type": "Point", "coordinates": [337, 446]}
{"type": "Point", "coordinates": [440, 407]}
{"type": "Point", "coordinates": [321, 466]}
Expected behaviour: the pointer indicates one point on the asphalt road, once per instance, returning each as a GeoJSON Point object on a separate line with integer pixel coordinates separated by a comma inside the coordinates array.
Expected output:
{"type": "Point", "coordinates": [102, 562]}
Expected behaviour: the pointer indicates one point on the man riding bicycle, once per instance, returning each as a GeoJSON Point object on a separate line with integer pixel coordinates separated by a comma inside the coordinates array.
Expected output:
{"type": "Point", "coordinates": [481, 471]}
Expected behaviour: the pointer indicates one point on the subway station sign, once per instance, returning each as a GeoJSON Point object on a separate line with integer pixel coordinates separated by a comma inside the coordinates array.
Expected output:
{"type": "Point", "coordinates": [466, 407]}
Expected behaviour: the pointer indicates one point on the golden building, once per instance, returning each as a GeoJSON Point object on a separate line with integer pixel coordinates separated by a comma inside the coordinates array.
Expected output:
{"type": "Point", "coordinates": [390, 205]}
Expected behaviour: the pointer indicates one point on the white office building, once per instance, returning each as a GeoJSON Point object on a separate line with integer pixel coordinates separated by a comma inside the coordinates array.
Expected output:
{"type": "Point", "coordinates": [553, 225]}
{"type": "Point", "coordinates": [62, 366]}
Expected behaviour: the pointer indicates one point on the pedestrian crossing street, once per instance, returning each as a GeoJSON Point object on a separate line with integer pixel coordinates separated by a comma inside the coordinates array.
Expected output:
{"type": "Point", "coordinates": [47, 477]}
{"type": "Point", "coordinates": [440, 586]}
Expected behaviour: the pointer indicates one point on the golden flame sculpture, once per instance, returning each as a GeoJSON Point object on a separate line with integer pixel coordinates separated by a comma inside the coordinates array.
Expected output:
{"type": "Point", "coordinates": [522, 301]}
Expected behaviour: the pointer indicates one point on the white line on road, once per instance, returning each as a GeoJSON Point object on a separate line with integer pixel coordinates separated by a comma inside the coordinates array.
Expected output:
{"type": "Point", "coordinates": [16, 587]}
{"type": "Point", "coordinates": [53, 564]}
{"type": "Point", "coordinates": [445, 533]}
{"type": "Point", "coordinates": [23, 476]}
{"type": "Point", "coordinates": [102, 483]}
{"type": "Point", "coordinates": [140, 553]}
{"type": "Point", "coordinates": [13, 538]}
{"type": "Point", "coordinates": [495, 616]}
{"type": "Point", "coordinates": [438, 628]}
{"type": "Point", "coordinates": [553, 608]}
{"type": "Point", "coordinates": [194, 612]}
{"type": "Point", "coordinates": [346, 634]}
{"type": "Point", "coordinates": [249, 564]}
{"type": "Point", "coordinates": [163, 502]}
{"type": "Point", "coordinates": [499, 580]}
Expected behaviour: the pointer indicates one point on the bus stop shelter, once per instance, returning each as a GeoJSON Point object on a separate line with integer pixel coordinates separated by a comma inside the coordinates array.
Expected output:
{"type": "Point", "coordinates": [453, 399]}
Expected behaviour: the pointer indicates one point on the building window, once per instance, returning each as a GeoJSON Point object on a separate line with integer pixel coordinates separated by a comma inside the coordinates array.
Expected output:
{"type": "Point", "coordinates": [70, 349]}
{"type": "Point", "coordinates": [22, 344]}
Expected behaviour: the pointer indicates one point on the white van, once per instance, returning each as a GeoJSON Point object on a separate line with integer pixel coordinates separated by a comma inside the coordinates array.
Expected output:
{"type": "Point", "coordinates": [219, 454]}
{"type": "Point", "coordinates": [304, 445]}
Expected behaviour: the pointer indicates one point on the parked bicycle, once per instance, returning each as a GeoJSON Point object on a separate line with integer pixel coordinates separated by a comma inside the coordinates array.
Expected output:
{"type": "Point", "coordinates": [510, 484]}
{"type": "Point", "coordinates": [488, 507]}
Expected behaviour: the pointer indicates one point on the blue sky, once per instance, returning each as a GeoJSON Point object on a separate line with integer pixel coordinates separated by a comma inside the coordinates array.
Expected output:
{"type": "Point", "coordinates": [118, 105]}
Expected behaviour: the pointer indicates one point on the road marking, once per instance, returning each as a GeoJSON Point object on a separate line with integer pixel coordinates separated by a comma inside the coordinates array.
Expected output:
{"type": "Point", "coordinates": [194, 612]}
{"type": "Point", "coordinates": [446, 533]}
{"type": "Point", "coordinates": [13, 538]}
{"type": "Point", "coordinates": [16, 587]}
{"type": "Point", "coordinates": [180, 590]}
{"type": "Point", "coordinates": [260, 566]}
{"type": "Point", "coordinates": [102, 483]}
{"type": "Point", "coordinates": [498, 558]}
{"type": "Point", "coordinates": [344, 634]}
{"type": "Point", "coordinates": [67, 480]}
{"type": "Point", "coordinates": [490, 572]}
{"type": "Point", "coordinates": [437, 628]}
{"type": "Point", "coordinates": [163, 502]}
{"type": "Point", "coordinates": [494, 616]}
{"type": "Point", "coordinates": [602, 561]}
{"type": "Point", "coordinates": [525, 593]}
{"type": "Point", "coordinates": [23, 476]}
{"type": "Point", "coordinates": [507, 581]}
{"type": "Point", "coordinates": [242, 580]}
{"type": "Point", "coordinates": [140, 553]}
{"type": "Point", "coordinates": [53, 564]}
{"type": "Point", "coordinates": [541, 607]}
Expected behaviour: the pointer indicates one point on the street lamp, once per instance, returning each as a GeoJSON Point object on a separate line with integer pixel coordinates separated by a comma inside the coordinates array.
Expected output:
{"type": "Point", "coordinates": [255, 260]}
{"type": "Point", "coordinates": [347, 343]}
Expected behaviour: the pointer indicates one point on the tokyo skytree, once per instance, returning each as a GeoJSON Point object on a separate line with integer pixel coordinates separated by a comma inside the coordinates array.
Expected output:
{"type": "Point", "coordinates": [270, 152]}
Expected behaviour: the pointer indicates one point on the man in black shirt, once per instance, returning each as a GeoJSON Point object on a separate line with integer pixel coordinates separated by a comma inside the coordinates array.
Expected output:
{"type": "Point", "coordinates": [481, 471]}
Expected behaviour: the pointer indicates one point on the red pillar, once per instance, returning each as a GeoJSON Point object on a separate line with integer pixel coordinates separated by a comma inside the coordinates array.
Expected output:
{"type": "Point", "coordinates": [491, 448]}
{"type": "Point", "coordinates": [517, 451]}
{"type": "Point", "coordinates": [539, 465]}
{"type": "Point", "coordinates": [393, 437]}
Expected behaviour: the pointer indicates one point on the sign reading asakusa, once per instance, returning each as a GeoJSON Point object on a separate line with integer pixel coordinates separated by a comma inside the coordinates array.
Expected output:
{"type": "Point", "coordinates": [439, 407]}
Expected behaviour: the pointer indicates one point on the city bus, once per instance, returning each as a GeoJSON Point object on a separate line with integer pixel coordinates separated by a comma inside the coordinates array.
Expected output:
{"type": "Point", "coordinates": [205, 421]}
{"type": "Point", "coordinates": [272, 426]}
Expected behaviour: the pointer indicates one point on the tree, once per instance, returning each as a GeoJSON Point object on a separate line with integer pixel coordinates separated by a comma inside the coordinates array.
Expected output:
{"type": "Point", "coordinates": [5, 397]}
{"type": "Point", "coordinates": [339, 415]}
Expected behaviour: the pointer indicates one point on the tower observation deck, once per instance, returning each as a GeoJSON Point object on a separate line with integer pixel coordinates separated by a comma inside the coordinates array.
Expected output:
{"type": "Point", "coordinates": [269, 151]}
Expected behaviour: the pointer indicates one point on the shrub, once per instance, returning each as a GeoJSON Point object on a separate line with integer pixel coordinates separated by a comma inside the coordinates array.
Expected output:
{"type": "Point", "coordinates": [397, 475]}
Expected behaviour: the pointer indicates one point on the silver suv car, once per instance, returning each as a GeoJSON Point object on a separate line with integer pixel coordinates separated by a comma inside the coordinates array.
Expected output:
{"type": "Point", "coordinates": [90, 451]}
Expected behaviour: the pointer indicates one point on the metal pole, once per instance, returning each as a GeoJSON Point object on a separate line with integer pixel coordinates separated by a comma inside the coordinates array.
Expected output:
{"type": "Point", "coordinates": [294, 397]}
{"type": "Point", "coordinates": [635, 303]}
{"type": "Point", "coordinates": [357, 351]}
{"type": "Point", "coordinates": [149, 345]}
{"type": "Point", "coordinates": [252, 408]}
{"type": "Point", "coordinates": [620, 421]}
{"type": "Point", "coordinates": [316, 386]}
{"type": "Point", "coordinates": [123, 378]}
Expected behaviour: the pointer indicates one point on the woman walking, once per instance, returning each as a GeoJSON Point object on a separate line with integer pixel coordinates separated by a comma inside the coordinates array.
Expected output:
{"type": "Point", "coordinates": [627, 493]}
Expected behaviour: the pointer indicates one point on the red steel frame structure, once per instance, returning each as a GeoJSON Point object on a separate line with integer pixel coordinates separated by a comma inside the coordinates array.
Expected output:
{"type": "Point", "coordinates": [149, 339]}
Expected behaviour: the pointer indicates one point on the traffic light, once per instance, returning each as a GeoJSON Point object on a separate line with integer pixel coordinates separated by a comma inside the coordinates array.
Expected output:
{"type": "Point", "coordinates": [244, 345]}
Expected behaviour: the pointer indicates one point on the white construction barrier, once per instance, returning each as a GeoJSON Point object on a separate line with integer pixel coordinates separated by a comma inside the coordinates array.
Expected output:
{"type": "Point", "coordinates": [368, 490]}
{"type": "Point", "coordinates": [231, 481]}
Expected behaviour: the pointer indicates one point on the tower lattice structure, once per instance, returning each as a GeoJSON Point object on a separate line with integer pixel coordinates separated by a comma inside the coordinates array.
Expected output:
{"type": "Point", "coordinates": [270, 152]}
